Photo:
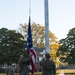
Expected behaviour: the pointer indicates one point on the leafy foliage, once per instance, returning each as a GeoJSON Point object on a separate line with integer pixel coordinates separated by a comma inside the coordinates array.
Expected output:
{"type": "Point", "coordinates": [11, 43]}
{"type": "Point", "coordinates": [67, 48]}
{"type": "Point", "coordinates": [38, 34]}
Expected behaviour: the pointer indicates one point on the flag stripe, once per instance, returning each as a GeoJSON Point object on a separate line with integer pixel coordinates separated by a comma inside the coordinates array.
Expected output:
{"type": "Point", "coordinates": [30, 50]}
{"type": "Point", "coordinates": [33, 52]}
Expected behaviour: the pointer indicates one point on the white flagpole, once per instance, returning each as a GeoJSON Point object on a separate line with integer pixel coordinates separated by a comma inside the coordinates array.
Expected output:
{"type": "Point", "coordinates": [46, 26]}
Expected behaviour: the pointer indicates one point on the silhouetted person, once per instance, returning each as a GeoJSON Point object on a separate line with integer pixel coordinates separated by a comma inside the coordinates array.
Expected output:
{"type": "Point", "coordinates": [48, 65]}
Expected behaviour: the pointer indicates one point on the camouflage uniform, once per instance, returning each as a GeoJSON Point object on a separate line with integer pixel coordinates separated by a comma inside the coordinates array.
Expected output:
{"type": "Point", "coordinates": [48, 67]}
{"type": "Point", "coordinates": [23, 66]}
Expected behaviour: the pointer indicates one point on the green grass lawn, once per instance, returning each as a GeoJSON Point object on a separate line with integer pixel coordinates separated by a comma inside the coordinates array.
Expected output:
{"type": "Point", "coordinates": [2, 74]}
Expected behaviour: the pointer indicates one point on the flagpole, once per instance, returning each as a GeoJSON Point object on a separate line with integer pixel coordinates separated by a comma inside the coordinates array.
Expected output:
{"type": "Point", "coordinates": [46, 26]}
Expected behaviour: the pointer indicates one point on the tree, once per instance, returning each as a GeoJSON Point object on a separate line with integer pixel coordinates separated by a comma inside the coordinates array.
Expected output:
{"type": "Point", "coordinates": [11, 43]}
{"type": "Point", "coordinates": [67, 48]}
{"type": "Point", "coordinates": [38, 36]}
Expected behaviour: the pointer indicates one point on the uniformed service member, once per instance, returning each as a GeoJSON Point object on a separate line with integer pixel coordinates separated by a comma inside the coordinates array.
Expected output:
{"type": "Point", "coordinates": [23, 64]}
{"type": "Point", "coordinates": [48, 65]}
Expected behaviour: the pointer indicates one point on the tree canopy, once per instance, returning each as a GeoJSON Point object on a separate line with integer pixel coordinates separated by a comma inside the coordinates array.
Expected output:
{"type": "Point", "coordinates": [38, 34]}
{"type": "Point", "coordinates": [11, 43]}
{"type": "Point", "coordinates": [66, 50]}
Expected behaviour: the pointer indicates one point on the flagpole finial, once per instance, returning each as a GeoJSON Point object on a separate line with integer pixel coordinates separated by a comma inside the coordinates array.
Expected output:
{"type": "Point", "coordinates": [29, 7]}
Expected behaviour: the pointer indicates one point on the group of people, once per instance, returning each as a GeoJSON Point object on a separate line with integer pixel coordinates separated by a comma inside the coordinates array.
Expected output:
{"type": "Point", "coordinates": [48, 66]}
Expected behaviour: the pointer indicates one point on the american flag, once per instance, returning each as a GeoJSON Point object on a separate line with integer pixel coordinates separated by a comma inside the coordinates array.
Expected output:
{"type": "Point", "coordinates": [29, 49]}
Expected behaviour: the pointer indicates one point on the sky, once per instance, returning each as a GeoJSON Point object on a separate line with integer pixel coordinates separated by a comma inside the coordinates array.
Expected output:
{"type": "Point", "coordinates": [61, 14]}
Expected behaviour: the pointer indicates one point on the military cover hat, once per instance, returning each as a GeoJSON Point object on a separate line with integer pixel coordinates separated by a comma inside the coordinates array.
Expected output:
{"type": "Point", "coordinates": [20, 53]}
{"type": "Point", "coordinates": [47, 55]}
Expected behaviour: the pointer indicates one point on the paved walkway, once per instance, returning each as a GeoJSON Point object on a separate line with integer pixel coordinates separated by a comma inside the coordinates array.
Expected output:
{"type": "Point", "coordinates": [62, 73]}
